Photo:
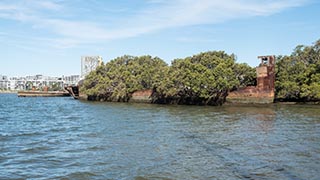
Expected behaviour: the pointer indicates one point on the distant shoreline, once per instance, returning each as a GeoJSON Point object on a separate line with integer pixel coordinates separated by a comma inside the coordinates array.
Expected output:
{"type": "Point", "coordinates": [8, 92]}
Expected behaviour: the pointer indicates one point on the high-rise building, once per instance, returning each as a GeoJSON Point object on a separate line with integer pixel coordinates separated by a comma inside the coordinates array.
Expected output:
{"type": "Point", "coordinates": [88, 64]}
{"type": "Point", "coordinates": [3, 82]}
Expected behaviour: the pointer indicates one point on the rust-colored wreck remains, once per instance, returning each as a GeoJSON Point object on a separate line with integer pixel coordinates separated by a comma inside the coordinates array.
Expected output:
{"type": "Point", "coordinates": [142, 96]}
{"type": "Point", "coordinates": [263, 93]}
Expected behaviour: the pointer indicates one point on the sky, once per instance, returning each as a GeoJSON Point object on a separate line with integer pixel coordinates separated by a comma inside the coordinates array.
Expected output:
{"type": "Point", "coordinates": [49, 36]}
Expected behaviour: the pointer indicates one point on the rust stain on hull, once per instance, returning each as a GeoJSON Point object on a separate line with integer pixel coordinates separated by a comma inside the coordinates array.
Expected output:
{"type": "Point", "coordinates": [263, 93]}
{"type": "Point", "coordinates": [42, 93]}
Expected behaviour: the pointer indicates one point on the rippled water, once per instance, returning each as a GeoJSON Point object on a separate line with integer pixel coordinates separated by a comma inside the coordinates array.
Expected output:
{"type": "Point", "coordinates": [62, 138]}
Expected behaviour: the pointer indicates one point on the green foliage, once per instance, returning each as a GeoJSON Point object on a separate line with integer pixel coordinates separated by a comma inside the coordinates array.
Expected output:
{"type": "Point", "coordinates": [245, 74]}
{"type": "Point", "coordinates": [119, 78]}
{"type": "Point", "coordinates": [205, 78]}
{"type": "Point", "coordinates": [29, 85]}
{"type": "Point", "coordinates": [55, 87]}
{"type": "Point", "coordinates": [298, 75]}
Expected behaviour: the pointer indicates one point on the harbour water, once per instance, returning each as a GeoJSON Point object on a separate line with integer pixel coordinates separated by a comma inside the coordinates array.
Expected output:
{"type": "Point", "coordinates": [62, 138]}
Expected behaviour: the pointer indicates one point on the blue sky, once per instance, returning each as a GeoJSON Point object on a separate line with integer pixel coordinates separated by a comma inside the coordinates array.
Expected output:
{"type": "Point", "coordinates": [50, 36]}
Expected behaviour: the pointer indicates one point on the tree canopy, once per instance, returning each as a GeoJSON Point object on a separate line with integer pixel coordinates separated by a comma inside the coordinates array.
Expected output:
{"type": "Point", "coordinates": [298, 75]}
{"type": "Point", "coordinates": [205, 78]}
{"type": "Point", "coordinates": [119, 78]}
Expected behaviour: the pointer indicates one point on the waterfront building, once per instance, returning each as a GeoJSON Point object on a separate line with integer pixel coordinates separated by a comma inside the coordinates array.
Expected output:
{"type": "Point", "coordinates": [37, 82]}
{"type": "Point", "coordinates": [11, 84]}
{"type": "Point", "coordinates": [3, 82]}
{"type": "Point", "coordinates": [71, 80]}
{"type": "Point", "coordinates": [41, 82]}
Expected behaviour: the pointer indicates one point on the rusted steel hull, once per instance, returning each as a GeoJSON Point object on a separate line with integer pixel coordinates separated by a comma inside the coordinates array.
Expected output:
{"type": "Point", "coordinates": [43, 94]}
{"type": "Point", "coordinates": [73, 91]}
{"type": "Point", "coordinates": [251, 95]}
{"type": "Point", "coordinates": [143, 96]}
{"type": "Point", "coordinates": [263, 93]}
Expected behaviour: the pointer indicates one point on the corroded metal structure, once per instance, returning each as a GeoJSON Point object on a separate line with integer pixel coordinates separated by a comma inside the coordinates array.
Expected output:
{"type": "Point", "coordinates": [42, 93]}
{"type": "Point", "coordinates": [263, 93]}
{"type": "Point", "coordinates": [266, 73]}
{"type": "Point", "coordinates": [73, 91]}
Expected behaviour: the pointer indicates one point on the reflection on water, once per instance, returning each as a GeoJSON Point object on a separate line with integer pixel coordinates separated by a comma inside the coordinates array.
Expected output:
{"type": "Point", "coordinates": [261, 117]}
{"type": "Point", "coordinates": [60, 138]}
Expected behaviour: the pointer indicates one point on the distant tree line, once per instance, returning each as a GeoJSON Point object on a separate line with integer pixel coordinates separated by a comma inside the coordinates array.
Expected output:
{"type": "Point", "coordinates": [202, 79]}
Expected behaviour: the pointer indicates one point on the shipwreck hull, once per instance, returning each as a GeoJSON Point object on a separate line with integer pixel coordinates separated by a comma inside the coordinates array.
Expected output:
{"type": "Point", "coordinates": [43, 94]}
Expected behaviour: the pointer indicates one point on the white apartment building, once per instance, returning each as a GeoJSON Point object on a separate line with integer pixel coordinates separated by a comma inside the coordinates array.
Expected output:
{"type": "Point", "coordinates": [37, 82]}
{"type": "Point", "coordinates": [71, 80]}
{"type": "Point", "coordinates": [3, 82]}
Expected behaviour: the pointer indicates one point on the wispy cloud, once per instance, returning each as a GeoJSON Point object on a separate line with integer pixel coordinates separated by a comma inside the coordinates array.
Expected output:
{"type": "Point", "coordinates": [48, 15]}
{"type": "Point", "coordinates": [48, 5]}
{"type": "Point", "coordinates": [196, 40]}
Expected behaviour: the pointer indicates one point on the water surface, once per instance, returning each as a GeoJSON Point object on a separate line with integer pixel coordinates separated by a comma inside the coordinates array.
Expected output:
{"type": "Point", "coordinates": [62, 138]}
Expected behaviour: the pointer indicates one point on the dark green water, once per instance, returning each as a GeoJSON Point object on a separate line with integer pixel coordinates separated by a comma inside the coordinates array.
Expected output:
{"type": "Point", "coordinates": [61, 138]}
